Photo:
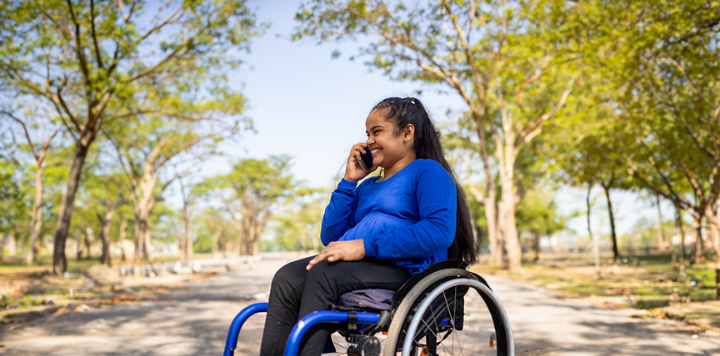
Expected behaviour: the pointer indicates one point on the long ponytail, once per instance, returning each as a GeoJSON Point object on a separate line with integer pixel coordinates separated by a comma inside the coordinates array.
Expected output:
{"type": "Point", "coordinates": [405, 111]}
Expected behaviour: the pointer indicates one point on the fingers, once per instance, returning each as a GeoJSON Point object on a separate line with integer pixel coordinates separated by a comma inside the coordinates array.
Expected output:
{"type": "Point", "coordinates": [355, 152]}
{"type": "Point", "coordinates": [324, 254]}
{"type": "Point", "coordinates": [330, 253]}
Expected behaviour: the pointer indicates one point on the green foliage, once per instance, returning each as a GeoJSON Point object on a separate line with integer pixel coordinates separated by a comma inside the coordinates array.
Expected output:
{"type": "Point", "coordinates": [96, 65]}
{"type": "Point", "coordinates": [251, 192]}
{"type": "Point", "coordinates": [297, 228]}
{"type": "Point", "coordinates": [538, 212]}
{"type": "Point", "coordinates": [659, 61]}
{"type": "Point", "coordinates": [13, 199]}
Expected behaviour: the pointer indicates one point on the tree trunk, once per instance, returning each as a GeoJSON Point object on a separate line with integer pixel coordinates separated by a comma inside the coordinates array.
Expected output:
{"type": "Point", "coordinates": [495, 243]}
{"type": "Point", "coordinates": [254, 248]}
{"type": "Point", "coordinates": [507, 226]}
{"type": "Point", "coordinates": [187, 244]}
{"type": "Point", "coordinates": [123, 226]}
{"type": "Point", "coordinates": [596, 246]}
{"type": "Point", "coordinates": [37, 216]}
{"type": "Point", "coordinates": [228, 248]}
{"type": "Point", "coordinates": [105, 221]}
{"type": "Point", "coordinates": [476, 234]}
{"type": "Point", "coordinates": [215, 240]}
{"type": "Point", "coordinates": [606, 188]}
{"type": "Point", "coordinates": [137, 240]}
{"type": "Point", "coordinates": [181, 247]}
{"type": "Point", "coordinates": [89, 238]}
{"type": "Point", "coordinates": [251, 242]}
{"type": "Point", "coordinates": [146, 245]}
{"type": "Point", "coordinates": [78, 245]}
{"type": "Point", "coordinates": [681, 229]}
{"type": "Point", "coordinates": [142, 208]}
{"type": "Point", "coordinates": [536, 245]}
{"type": "Point", "coordinates": [68, 203]}
{"type": "Point", "coordinates": [186, 239]}
{"type": "Point", "coordinates": [142, 233]}
{"type": "Point", "coordinates": [697, 248]}
{"type": "Point", "coordinates": [712, 218]}
{"type": "Point", "coordinates": [661, 233]}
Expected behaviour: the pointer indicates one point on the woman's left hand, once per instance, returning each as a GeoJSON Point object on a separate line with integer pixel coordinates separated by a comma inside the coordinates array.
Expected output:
{"type": "Point", "coordinates": [340, 251]}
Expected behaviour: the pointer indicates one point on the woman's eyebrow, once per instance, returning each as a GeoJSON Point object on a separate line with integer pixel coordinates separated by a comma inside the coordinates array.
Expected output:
{"type": "Point", "coordinates": [374, 127]}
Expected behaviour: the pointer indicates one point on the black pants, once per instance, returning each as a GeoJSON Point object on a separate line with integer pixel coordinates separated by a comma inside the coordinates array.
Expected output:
{"type": "Point", "coordinates": [296, 292]}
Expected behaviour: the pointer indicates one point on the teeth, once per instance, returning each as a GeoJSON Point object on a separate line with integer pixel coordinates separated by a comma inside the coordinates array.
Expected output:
{"type": "Point", "coordinates": [375, 150]}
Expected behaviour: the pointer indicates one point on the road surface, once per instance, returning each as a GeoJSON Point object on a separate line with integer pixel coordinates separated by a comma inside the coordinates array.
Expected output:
{"type": "Point", "coordinates": [193, 318]}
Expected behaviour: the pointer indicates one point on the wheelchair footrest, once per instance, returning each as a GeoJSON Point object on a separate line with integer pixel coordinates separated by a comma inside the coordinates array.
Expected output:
{"type": "Point", "coordinates": [365, 346]}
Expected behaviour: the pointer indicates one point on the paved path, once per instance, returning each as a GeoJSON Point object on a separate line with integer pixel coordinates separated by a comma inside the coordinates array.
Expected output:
{"type": "Point", "coordinates": [193, 320]}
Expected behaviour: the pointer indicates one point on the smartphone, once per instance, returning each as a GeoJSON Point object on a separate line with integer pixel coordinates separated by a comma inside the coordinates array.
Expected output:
{"type": "Point", "coordinates": [366, 160]}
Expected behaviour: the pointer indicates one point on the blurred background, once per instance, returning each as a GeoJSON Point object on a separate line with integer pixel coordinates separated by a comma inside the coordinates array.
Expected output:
{"type": "Point", "coordinates": [139, 136]}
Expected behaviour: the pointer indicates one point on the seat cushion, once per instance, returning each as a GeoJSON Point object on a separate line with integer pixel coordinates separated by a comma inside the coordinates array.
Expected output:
{"type": "Point", "coordinates": [376, 299]}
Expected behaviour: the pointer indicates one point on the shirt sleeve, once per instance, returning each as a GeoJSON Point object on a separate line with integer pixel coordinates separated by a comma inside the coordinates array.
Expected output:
{"type": "Point", "coordinates": [338, 215]}
{"type": "Point", "coordinates": [434, 231]}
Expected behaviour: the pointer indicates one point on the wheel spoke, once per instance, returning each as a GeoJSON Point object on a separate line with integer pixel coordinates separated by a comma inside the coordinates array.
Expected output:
{"type": "Point", "coordinates": [463, 344]}
{"type": "Point", "coordinates": [444, 348]}
{"type": "Point", "coordinates": [432, 312]}
{"type": "Point", "coordinates": [429, 328]}
{"type": "Point", "coordinates": [452, 317]}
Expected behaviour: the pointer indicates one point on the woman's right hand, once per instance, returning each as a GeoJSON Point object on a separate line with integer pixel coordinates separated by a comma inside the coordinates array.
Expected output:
{"type": "Point", "coordinates": [353, 172]}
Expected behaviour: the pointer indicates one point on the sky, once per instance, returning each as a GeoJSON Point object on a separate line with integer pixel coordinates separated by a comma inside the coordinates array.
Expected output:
{"type": "Point", "coordinates": [312, 107]}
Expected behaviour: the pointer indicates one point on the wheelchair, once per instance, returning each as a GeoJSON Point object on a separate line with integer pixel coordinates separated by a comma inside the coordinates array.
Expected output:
{"type": "Point", "coordinates": [426, 316]}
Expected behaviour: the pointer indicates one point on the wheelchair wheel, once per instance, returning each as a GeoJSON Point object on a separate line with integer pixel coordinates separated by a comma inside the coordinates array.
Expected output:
{"type": "Point", "coordinates": [435, 312]}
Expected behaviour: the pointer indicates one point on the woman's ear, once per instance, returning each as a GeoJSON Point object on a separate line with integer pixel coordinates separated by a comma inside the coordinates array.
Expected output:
{"type": "Point", "coordinates": [409, 133]}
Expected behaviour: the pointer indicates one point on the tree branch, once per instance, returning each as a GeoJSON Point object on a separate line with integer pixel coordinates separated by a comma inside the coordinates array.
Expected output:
{"type": "Point", "coordinates": [98, 58]}
{"type": "Point", "coordinates": [79, 49]}
{"type": "Point", "coordinates": [27, 134]}
{"type": "Point", "coordinates": [534, 129]}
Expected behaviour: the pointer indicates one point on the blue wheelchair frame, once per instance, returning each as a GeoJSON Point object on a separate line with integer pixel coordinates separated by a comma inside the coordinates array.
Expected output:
{"type": "Point", "coordinates": [293, 343]}
{"type": "Point", "coordinates": [298, 332]}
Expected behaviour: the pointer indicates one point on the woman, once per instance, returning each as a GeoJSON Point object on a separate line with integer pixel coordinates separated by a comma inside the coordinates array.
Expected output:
{"type": "Point", "coordinates": [380, 232]}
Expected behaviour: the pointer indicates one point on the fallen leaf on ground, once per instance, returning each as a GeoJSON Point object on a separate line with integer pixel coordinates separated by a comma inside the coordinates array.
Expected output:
{"type": "Point", "coordinates": [61, 311]}
{"type": "Point", "coordinates": [124, 297]}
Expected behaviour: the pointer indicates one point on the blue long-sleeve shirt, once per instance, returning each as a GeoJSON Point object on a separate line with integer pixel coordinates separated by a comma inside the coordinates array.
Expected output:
{"type": "Point", "coordinates": [409, 218]}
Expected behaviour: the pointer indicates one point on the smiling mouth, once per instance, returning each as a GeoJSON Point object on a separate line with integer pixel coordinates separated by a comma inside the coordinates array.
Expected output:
{"type": "Point", "coordinates": [374, 151]}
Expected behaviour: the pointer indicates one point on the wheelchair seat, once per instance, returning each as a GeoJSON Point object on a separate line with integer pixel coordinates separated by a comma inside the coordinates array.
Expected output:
{"type": "Point", "coordinates": [367, 299]}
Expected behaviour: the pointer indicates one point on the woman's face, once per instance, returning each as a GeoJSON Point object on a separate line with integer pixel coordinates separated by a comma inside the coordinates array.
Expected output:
{"type": "Point", "coordinates": [386, 147]}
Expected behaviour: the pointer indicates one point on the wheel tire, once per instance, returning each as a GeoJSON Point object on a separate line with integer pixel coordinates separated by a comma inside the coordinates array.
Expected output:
{"type": "Point", "coordinates": [400, 320]}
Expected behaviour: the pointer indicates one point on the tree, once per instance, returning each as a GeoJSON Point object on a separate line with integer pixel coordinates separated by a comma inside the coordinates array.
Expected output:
{"type": "Point", "coordinates": [150, 146]}
{"type": "Point", "coordinates": [661, 58]}
{"type": "Point", "coordinates": [39, 158]}
{"type": "Point", "coordinates": [103, 195]}
{"type": "Point", "coordinates": [250, 192]}
{"type": "Point", "coordinates": [95, 63]}
{"type": "Point", "coordinates": [507, 61]}
{"type": "Point", "coordinates": [215, 228]}
{"type": "Point", "coordinates": [12, 198]}
{"type": "Point", "coordinates": [537, 215]}
{"type": "Point", "coordinates": [298, 227]}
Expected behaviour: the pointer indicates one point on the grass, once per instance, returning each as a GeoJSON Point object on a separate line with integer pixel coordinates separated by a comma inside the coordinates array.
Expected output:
{"type": "Point", "coordinates": [651, 281]}
{"type": "Point", "coordinates": [44, 264]}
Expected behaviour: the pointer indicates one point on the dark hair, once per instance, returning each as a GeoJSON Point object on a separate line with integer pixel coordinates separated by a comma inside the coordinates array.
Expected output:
{"type": "Point", "coordinates": [405, 111]}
